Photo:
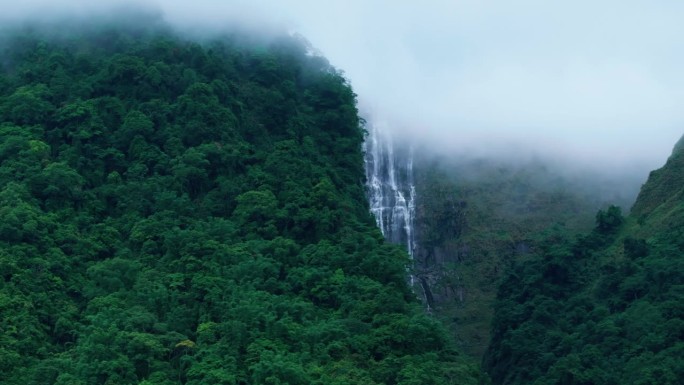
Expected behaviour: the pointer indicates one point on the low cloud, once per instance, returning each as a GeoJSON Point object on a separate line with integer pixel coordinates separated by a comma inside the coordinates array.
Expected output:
{"type": "Point", "coordinates": [592, 82]}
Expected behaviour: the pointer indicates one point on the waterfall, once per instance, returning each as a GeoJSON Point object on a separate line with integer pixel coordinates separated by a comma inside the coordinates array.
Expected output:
{"type": "Point", "coordinates": [391, 191]}
{"type": "Point", "coordinates": [390, 183]}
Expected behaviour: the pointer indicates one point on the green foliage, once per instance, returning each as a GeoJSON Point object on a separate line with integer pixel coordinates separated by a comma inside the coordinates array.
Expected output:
{"type": "Point", "coordinates": [475, 217]}
{"type": "Point", "coordinates": [175, 212]}
{"type": "Point", "coordinates": [605, 308]}
{"type": "Point", "coordinates": [664, 188]}
{"type": "Point", "coordinates": [609, 221]}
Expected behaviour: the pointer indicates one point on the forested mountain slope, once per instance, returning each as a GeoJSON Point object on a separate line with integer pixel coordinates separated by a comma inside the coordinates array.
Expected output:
{"type": "Point", "coordinates": [477, 216]}
{"type": "Point", "coordinates": [184, 212]}
{"type": "Point", "coordinates": [605, 308]}
{"type": "Point", "coordinates": [660, 199]}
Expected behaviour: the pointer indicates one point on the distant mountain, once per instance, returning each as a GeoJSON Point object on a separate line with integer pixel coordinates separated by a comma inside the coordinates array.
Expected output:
{"type": "Point", "coordinates": [602, 308]}
{"type": "Point", "coordinates": [475, 217]}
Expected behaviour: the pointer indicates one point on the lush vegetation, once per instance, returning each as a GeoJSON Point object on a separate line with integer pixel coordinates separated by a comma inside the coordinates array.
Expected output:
{"type": "Point", "coordinates": [603, 308]}
{"type": "Point", "coordinates": [193, 212]}
{"type": "Point", "coordinates": [475, 217]}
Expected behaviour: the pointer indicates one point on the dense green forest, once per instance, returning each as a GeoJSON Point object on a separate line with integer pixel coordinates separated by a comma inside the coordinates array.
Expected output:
{"type": "Point", "coordinates": [192, 211]}
{"type": "Point", "coordinates": [477, 216]}
{"type": "Point", "coordinates": [605, 308]}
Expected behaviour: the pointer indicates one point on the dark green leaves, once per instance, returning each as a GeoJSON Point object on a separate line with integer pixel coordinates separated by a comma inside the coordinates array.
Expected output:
{"type": "Point", "coordinates": [184, 213]}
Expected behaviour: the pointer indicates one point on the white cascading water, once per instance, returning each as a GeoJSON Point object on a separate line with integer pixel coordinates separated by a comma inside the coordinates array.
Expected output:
{"type": "Point", "coordinates": [391, 189]}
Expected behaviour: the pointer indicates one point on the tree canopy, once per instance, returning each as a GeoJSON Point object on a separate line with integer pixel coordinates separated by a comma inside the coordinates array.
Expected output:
{"type": "Point", "coordinates": [184, 211]}
{"type": "Point", "coordinates": [603, 308]}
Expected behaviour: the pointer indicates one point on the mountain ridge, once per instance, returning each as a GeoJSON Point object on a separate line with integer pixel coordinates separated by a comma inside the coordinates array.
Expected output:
{"type": "Point", "coordinates": [664, 189]}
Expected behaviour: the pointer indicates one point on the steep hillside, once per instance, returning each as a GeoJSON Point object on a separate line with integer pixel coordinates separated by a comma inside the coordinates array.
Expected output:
{"type": "Point", "coordinates": [475, 217]}
{"type": "Point", "coordinates": [604, 308]}
{"type": "Point", "coordinates": [184, 212]}
{"type": "Point", "coordinates": [659, 204]}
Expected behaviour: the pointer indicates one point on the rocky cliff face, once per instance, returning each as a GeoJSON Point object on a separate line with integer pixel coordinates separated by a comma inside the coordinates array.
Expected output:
{"type": "Point", "coordinates": [391, 185]}
{"type": "Point", "coordinates": [391, 189]}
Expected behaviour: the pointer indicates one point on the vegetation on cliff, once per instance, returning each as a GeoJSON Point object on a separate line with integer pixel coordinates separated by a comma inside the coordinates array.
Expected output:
{"type": "Point", "coordinates": [475, 218]}
{"type": "Point", "coordinates": [603, 308]}
{"type": "Point", "coordinates": [179, 211]}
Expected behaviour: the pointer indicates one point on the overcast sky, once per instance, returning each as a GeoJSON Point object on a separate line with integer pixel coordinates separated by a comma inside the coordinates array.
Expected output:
{"type": "Point", "coordinates": [598, 80]}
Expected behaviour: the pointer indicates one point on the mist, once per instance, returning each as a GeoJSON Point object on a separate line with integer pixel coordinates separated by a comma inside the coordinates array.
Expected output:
{"type": "Point", "coordinates": [594, 84]}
